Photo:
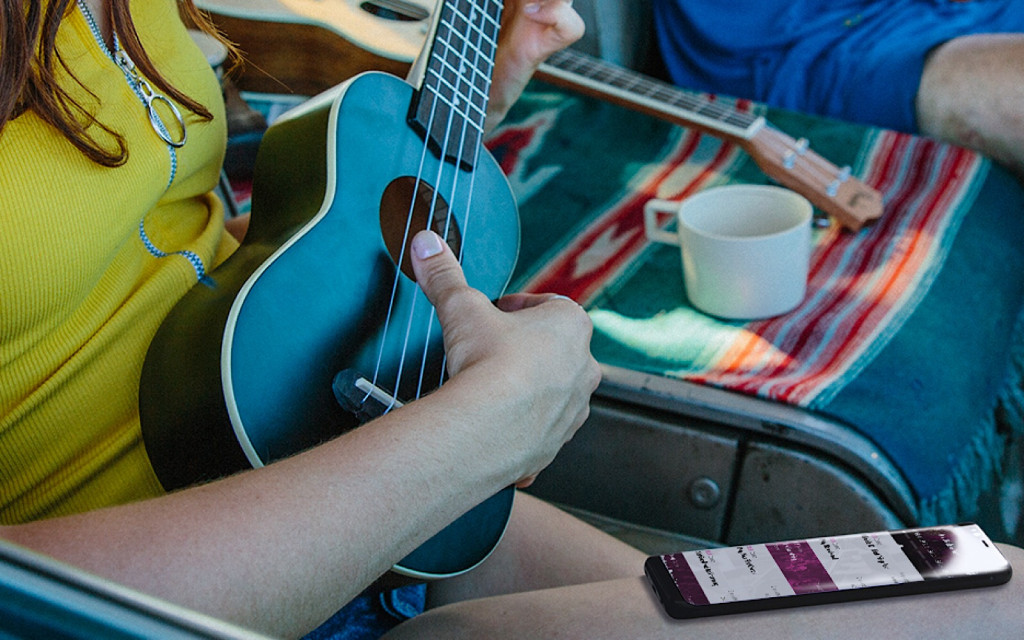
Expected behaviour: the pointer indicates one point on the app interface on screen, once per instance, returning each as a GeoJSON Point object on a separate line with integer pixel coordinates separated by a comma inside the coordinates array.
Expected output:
{"type": "Point", "coordinates": [752, 572]}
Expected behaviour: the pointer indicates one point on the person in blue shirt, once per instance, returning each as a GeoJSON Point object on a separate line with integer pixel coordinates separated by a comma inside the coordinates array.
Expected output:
{"type": "Point", "coordinates": [950, 69]}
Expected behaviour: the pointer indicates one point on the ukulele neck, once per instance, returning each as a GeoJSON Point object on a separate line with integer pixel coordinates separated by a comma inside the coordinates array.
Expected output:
{"type": "Point", "coordinates": [594, 76]}
{"type": "Point", "coordinates": [451, 105]}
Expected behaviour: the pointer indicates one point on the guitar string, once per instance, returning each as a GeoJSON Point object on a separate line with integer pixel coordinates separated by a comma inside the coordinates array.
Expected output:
{"type": "Point", "coordinates": [432, 212]}
{"type": "Point", "coordinates": [482, 58]}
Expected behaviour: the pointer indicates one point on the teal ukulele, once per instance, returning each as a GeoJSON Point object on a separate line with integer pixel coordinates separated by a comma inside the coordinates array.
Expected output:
{"type": "Point", "coordinates": [316, 324]}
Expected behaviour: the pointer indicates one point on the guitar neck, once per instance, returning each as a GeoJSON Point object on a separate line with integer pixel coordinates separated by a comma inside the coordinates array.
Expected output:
{"type": "Point", "coordinates": [789, 162]}
{"type": "Point", "coordinates": [451, 104]}
{"type": "Point", "coordinates": [595, 77]}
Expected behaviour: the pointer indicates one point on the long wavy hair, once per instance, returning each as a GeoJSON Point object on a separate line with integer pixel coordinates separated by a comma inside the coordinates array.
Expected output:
{"type": "Point", "coordinates": [29, 57]}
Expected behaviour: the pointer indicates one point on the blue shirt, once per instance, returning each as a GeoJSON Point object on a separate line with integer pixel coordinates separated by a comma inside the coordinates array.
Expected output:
{"type": "Point", "coordinates": [858, 60]}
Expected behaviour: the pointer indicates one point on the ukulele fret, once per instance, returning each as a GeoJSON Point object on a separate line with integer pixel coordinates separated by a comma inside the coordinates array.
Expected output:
{"type": "Point", "coordinates": [451, 106]}
{"type": "Point", "coordinates": [453, 92]}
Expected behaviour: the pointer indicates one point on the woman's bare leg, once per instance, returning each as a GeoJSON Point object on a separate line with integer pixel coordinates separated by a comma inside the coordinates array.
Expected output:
{"type": "Point", "coordinates": [543, 547]}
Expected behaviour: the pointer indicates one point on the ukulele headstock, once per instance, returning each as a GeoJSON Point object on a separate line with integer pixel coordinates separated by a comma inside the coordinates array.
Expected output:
{"type": "Point", "coordinates": [793, 164]}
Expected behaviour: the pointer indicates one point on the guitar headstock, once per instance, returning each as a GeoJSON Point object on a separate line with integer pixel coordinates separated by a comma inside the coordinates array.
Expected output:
{"type": "Point", "coordinates": [793, 164]}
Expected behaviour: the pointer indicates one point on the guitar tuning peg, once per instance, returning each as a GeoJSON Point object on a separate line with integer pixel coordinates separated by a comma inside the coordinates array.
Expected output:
{"type": "Point", "coordinates": [789, 159]}
{"type": "Point", "coordinates": [841, 177]}
{"type": "Point", "coordinates": [800, 148]}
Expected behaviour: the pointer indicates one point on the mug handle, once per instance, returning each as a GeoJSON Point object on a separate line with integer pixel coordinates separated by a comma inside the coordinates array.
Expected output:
{"type": "Point", "coordinates": [655, 233]}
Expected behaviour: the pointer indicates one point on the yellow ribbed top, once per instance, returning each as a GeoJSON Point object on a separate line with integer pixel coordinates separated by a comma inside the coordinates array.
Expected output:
{"type": "Point", "coordinates": [80, 294]}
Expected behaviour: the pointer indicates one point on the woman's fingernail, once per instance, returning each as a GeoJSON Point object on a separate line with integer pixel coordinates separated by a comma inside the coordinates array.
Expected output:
{"type": "Point", "coordinates": [426, 244]}
{"type": "Point", "coordinates": [532, 7]}
{"type": "Point", "coordinates": [558, 296]}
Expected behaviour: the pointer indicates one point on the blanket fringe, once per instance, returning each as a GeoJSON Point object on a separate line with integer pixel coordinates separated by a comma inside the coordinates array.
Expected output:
{"type": "Point", "coordinates": [982, 467]}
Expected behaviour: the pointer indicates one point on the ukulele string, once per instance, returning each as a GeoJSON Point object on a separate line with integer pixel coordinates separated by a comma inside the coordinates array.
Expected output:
{"type": "Point", "coordinates": [433, 205]}
{"type": "Point", "coordinates": [410, 325]}
{"type": "Point", "coordinates": [385, 331]}
{"type": "Point", "coordinates": [481, 59]}
{"type": "Point", "coordinates": [424, 151]}
{"type": "Point", "coordinates": [791, 155]}
{"type": "Point", "coordinates": [463, 56]}
{"type": "Point", "coordinates": [628, 80]}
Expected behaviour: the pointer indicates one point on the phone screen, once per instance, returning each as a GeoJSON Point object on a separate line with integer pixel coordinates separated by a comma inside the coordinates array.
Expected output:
{"type": "Point", "coordinates": [758, 571]}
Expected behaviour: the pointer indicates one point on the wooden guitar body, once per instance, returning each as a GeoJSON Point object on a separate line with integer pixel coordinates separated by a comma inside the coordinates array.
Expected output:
{"type": "Point", "coordinates": [240, 374]}
{"type": "Point", "coordinates": [290, 48]}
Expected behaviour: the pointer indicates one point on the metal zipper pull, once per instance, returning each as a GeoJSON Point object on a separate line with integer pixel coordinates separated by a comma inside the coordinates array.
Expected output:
{"type": "Point", "coordinates": [151, 98]}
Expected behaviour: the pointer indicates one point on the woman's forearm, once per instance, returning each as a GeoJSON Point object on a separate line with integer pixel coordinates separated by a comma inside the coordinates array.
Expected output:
{"type": "Point", "coordinates": [281, 548]}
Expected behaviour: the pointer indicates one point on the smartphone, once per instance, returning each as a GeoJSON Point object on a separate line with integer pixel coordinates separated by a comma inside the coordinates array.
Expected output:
{"type": "Point", "coordinates": [756, 577]}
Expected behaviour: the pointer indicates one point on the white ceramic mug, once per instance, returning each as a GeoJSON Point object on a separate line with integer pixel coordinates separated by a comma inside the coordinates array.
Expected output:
{"type": "Point", "coordinates": [745, 248]}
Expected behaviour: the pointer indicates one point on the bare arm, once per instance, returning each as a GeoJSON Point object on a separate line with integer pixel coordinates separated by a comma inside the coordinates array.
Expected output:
{"type": "Point", "coordinates": [280, 548]}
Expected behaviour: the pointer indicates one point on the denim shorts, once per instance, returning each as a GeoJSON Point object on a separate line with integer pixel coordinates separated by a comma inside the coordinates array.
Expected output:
{"type": "Point", "coordinates": [372, 614]}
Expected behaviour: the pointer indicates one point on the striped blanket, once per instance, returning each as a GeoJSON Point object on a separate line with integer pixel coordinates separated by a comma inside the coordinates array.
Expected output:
{"type": "Point", "coordinates": [907, 331]}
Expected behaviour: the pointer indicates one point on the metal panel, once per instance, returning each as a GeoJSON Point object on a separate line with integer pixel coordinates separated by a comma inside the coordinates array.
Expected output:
{"type": "Point", "coordinates": [662, 454]}
{"type": "Point", "coordinates": [764, 420]}
{"type": "Point", "coordinates": [628, 466]}
{"type": "Point", "coordinates": [784, 493]}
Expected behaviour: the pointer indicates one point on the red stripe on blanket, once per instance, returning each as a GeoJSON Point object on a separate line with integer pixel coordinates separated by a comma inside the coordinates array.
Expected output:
{"type": "Point", "coordinates": [617, 236]}
{"type": "Point", "coordinates": [857, 282]}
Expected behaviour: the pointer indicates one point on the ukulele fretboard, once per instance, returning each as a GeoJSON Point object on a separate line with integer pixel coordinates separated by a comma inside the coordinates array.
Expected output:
{"type": "Point", "coordinates": [452, 103]}
{"type": "Point", "coordinates": [690, 106]}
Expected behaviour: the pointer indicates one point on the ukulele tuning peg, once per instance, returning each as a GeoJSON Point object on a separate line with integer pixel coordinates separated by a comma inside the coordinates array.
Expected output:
{"type": "Point", "coordinates": [841, 177]}
{"type": "Point", "coordinates": [798, 150]}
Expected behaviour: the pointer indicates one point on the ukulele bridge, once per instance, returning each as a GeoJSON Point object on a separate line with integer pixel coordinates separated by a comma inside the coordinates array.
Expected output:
{"type": "Point", "coordinates": [362, 398]}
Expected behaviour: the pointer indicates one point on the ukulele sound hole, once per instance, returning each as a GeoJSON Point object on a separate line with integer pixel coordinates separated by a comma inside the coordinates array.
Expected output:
{"type": "Point", "coordinates": [406, 198]}
{"type": "Point", "coordinates": [395, 10]}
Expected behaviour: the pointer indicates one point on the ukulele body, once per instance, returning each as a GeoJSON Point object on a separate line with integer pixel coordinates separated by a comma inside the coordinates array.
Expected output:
{"type": "Point", "coordinates": [241, 373]}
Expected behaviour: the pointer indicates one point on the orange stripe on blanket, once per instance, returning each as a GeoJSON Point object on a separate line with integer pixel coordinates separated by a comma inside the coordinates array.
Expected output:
{"type": "Point", "coordinates": [621, 227]}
